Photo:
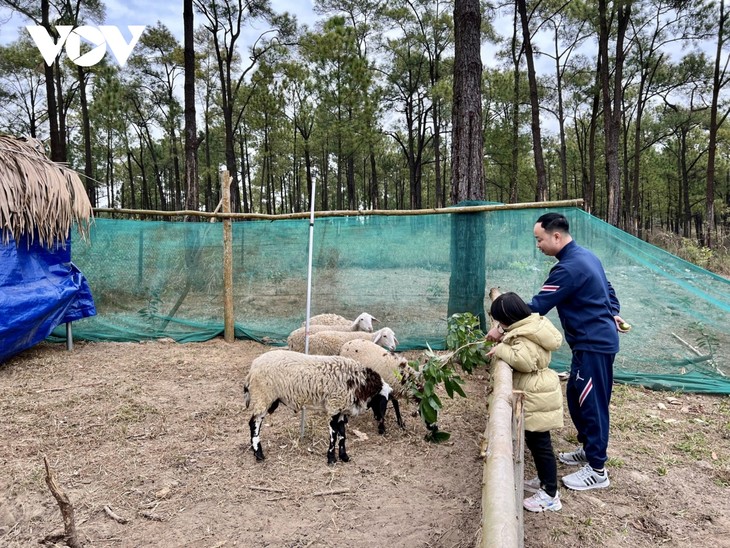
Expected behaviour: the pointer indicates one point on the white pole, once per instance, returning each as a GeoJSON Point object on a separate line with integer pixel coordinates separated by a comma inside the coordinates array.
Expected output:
{"type": "Point", "coordinates": [309, 291]}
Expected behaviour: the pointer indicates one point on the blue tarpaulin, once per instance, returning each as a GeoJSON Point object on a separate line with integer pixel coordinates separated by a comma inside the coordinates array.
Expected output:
{"type": "Point", "coordinates": [40, 288]}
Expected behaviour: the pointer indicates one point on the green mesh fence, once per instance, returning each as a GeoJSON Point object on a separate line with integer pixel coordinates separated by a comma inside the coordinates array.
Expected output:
{"type": "Point", "coordinates": [165, 279]}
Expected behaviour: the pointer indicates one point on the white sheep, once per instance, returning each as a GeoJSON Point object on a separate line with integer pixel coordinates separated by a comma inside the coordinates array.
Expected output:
{"type": "Point", "coordinates": [393, 368]}
{"type": "Point", "coordinates": [339, 385]}
{"type": "Point", "coordinates": [328, 343]}
{"type": "Point", "coordinates": [364, 322]}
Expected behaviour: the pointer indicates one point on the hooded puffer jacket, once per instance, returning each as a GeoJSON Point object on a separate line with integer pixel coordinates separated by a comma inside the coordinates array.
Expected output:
{"type": "Point", "coordinates": [526, 347]}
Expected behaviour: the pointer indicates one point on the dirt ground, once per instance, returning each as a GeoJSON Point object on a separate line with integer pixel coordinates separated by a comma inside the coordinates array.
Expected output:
{"type": "Point", "coordinates": [150, 443]}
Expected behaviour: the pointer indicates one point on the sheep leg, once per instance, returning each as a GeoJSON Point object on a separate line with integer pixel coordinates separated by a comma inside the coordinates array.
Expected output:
{"type": "Point", "coordinates": [341, 426]}
{"type": "Point", "coordinates": [379, 404]}
{"type": "Point", "coordinates": [331, 458]}
{"type": "Point", "coordinates": [255, 425]}
{"type": "Point", "coordinates": [398, 418]}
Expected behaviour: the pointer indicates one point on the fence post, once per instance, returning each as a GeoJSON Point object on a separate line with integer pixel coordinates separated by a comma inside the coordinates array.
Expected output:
{"type": "Point", "coordinates": [229, 334]}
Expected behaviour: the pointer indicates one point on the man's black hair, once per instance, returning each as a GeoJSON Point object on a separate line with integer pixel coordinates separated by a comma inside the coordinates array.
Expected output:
{"type": "Point", "coordinates": [554, 222]}
{"type": "Point", "coordinates": [509, 308]}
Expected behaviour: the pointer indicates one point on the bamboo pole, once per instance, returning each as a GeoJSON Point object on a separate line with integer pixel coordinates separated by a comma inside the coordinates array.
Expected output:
{"type": "Point", "coordinates": [518, 450]}
{"type": "Point", "coordinates": [343, 213]}
{"type": "Point", "coordinates": [228, 318]}
{"type": "Point", "coordinates": [500, 526]}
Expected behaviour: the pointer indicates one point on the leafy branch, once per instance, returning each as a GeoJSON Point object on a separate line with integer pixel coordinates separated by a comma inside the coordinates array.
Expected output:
{"type": "Point", "coordinates": [467, 341]}
{"type": "Point", "coordinates": [469, 350]}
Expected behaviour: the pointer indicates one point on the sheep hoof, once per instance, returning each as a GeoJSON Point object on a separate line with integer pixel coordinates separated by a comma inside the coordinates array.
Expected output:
{"type": "Point", "coordinates": [259, 454]}
{"type": "Point", "coordinates": [344, 457]}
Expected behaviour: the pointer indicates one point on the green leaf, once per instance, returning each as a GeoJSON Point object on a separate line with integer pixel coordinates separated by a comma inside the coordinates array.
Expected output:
{"type": "Point", "coordinates": [430, 416]}
{"type": "Point", "coordinates": [428, 388]}
{"type": "Point", "coordinates": [458, 389]}
{"type": "Point", "coordinates": [438, 436]}
{"type": "Point", "coordinates": [449, 386]}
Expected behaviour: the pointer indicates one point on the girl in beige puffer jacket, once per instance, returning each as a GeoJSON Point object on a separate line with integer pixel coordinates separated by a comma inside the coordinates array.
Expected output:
{"type": "Point", "coordinates": [525, 341]}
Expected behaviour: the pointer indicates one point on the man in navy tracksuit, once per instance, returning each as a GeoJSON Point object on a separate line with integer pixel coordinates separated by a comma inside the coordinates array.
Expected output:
{"type": "Point", "coordinates": [589, 313]}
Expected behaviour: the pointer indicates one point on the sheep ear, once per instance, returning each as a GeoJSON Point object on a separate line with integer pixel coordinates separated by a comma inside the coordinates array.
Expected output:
{"type": "Point", "coordinates": [374, 319]}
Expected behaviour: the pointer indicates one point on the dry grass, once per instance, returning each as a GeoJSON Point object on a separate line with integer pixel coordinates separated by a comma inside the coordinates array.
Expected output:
{"type": "Point", "coordinates": [38, 197]}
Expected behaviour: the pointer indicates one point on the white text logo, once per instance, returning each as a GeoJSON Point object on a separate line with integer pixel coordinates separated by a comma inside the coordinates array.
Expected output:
{"type": "Point", "coordinates": [100, 37]}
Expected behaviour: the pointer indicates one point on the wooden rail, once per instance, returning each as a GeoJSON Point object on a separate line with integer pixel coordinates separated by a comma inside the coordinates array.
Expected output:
{"type": "Point", "coordinates": [342, 213]}
{"type": "Point", "coordinates": [501, 494]}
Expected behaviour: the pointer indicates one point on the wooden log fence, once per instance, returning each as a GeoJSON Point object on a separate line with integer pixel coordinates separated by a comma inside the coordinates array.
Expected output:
{"type": "Point", "coordinates": [502, 519]}
{"type": "Point", "coordinates": [339, 213]}
{"type": "Point", "coordinates": [503, 449]}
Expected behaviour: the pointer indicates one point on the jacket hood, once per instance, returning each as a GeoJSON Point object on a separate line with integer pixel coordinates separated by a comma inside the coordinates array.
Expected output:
{"type": "Point", "coordinates": [537, 329]}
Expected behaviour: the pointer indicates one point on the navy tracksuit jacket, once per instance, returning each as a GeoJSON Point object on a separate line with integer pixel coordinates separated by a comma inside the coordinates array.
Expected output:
{"type": "Point", "coordinates": [586, 304]}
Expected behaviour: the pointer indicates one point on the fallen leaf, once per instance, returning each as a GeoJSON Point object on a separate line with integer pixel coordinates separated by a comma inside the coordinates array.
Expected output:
{"type": "Point", "coordinates": [362, 436]}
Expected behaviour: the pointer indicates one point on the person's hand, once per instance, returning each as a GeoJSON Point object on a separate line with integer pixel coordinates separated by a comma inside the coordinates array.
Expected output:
{"type": "Point", "coordinates": [621, 325]}
{"type": "Point", "coordinates": [492, 351]}
{"type": "Point", "coordinates": [495, 334]}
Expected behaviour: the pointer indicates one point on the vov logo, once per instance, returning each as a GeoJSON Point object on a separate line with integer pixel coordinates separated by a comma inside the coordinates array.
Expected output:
{"type": "Point", "coordinates": [100, 37]}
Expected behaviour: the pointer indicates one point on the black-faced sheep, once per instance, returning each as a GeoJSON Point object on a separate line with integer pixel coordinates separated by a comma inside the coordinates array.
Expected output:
{"type": "Point", "coordinates": [393, 368]}
{"type": "Point", "coordinates": [328, 343]}
{"type": "Point", "coordinates": [339, 385]}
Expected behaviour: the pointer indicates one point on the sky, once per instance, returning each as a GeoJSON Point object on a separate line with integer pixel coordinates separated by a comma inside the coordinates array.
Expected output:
{"type": "Point", "coordinates": [122, 13]}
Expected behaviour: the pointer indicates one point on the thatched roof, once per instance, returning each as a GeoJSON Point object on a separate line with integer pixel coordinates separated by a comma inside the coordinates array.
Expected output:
{"type": "Point", "coordinates": [38, 197]}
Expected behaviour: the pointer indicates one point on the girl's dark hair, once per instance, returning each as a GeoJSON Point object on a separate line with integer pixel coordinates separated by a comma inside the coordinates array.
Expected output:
{"type": "Point", "coordinates": [509, 308]}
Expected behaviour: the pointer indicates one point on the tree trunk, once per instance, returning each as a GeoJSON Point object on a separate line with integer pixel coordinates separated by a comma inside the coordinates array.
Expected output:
{"type": "Point", "coordinates": [612, 101]}
{"type": "Point", "coordinates": [686, 208]}
{"type": "Point", "coordinates": [192, 190]}
{"type": "Point", "coordinates": [61, 112]}
{"type": "Point", "coordinates": [590, 196]}
{"type": "Point", "coordinates": [437, 153]}
{"type": "Point", "coordinates": [246, 178]}
{"type": "Point", "coordinates": [561, 124]}
{"type": "Point", "coordinates": [56, 150]}
{"type": "Point", "coordinates": [515, 128]}
{"type": "Point", "coordinates": [534, 104]}
{"type": "Point", "coordinates": [467, 145]}
{"type": "Point", "coordinates": [132, 197]}
{"type": "Point", "coordinates": [210, 195]}
{"type": "Point", "coordinates": [468, 231]}
{"type": "Point", "coordinates": [374, 201]}
{"type": "Point", "coordinates": [718, 81]}
{"type": "Point", "coordinates": [86, 128]}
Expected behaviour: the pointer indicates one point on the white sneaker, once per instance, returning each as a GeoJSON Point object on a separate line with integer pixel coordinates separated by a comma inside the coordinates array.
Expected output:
{"type": "Point", "coordinates": [533, 485]}
{"type": "Point", "coordinates": [574, 458]}
{"type": "Point", "coordinates": [541, 501]}
{"type": "Point", "coordinates": [586, 478]}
